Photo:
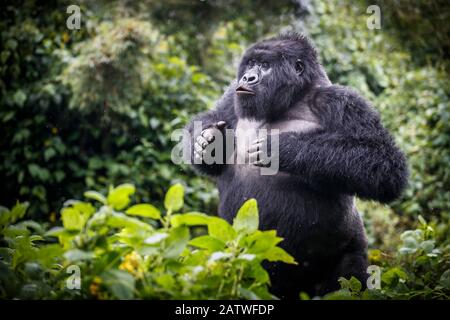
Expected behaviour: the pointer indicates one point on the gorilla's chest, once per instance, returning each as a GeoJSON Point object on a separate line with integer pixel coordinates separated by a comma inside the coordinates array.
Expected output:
{"type": "Point", "coordinates": [299, 119]}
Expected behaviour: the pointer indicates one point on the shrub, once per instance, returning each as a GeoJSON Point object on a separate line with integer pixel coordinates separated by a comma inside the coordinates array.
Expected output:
{"type": "Point", "coordinates": [420, 269]}
{"type": "Point", "coordinates": [127, 252]}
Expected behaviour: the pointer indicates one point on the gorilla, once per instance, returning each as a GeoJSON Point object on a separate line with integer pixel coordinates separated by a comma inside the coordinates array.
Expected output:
{"type": "Point", "coordinates": [331, 147]}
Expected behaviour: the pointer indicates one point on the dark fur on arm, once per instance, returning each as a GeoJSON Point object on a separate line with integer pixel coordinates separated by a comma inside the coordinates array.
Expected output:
{"type": "Point", "coordinates": [224, 111]}
{"type": "Point", "coordinates": [352, 153]}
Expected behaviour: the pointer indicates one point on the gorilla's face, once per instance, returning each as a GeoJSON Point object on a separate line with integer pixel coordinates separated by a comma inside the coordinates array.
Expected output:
{"type": "Point", "coordinates": [273, 75]}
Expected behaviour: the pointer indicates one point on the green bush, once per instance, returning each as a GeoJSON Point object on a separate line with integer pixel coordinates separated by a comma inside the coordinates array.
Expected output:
{"type": "Point", "coordinates": [420, 269]}
{"type": "Point", "coordinates": [124, 251]}
{"type": "Point", "coordinates": [412, 98]}
{"type": "Point", "coordinates": [93, 108]}
{"type": "Point", "coordinates": [137, 251]}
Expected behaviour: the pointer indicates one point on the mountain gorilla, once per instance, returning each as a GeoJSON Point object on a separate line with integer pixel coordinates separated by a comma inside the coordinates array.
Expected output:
{"type": "Point", "coordinates": [332, 146]}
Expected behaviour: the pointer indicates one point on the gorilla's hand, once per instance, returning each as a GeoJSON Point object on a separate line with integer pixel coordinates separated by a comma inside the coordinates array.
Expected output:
{"type": "Point", "coordinates": [259, 152]}
{"type": "Point", "coordinates": [206, 137]}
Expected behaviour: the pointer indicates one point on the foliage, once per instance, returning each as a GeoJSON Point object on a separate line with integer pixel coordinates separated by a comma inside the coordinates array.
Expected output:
{"type": "Point", "coordinates": [97, 106]}
{"type": "Point", "coordinates": [137, 251]}
{"type": "Point", "coordinates": [413, 99]}
{"type": "Point", "coordinates": [420, 269]}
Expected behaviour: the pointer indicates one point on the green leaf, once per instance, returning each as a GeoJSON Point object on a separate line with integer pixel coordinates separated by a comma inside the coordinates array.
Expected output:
{"type": "Point", "coordinates": [174, 198]}
{"type": "Point", "coordinates": [74, 219]}
{"type": "Point", "coordinates": [120, 283]}
{"type": "Point", "coordinates": [144, 210]}
{"type": "Point", "coordinates": [19, 97]}
{"type": "Point", "coordinates": [208, 242]}
{"type": "Point", "coordinates": [445, 279]}
{"type": "Point", "coordinates": [261, 241]}
{"type": "Point", "coordinates": [248, 294]}
{"type": "Point", "coordinates": [166, 281]}
{"type": "Point", "coordinates": [119, 197]}
{"type": "Point", "coordinates": [422, 220]}
{"type": "Point", "coordinates": [49, 153]}
{"type": "Point", "coordinates": [247, 220]}
{"type": "Point", "coordinates": [190, 219]}
{"type": "Point", "coordinates": [220, 229]}
{"type": "Point", "coordinates": [120, 220]}
{"type": "Point", "coordinates": [427, 246]}
{"type": "Point", "coordinates": [392, 276]}
{"type": "Point", "coordinates": [77, 255]}
{"type": "Point", "coordinates": [156, 238]}
{"type": "Point", "coordinates": [95, 196]}
{"type": "Point", "coordinates": [355, 284]}
{"type": "Point", "coordinates": [304, 296]}
{"type": "Point", "coordinates": [220, 255]}
{"type": "Point", "coordinates": [259, 273]}
{"type": "Point", "coordinates": [278, 254]}
{"type": "Point", "coordinates": [16, 213]}
{"type": "Point", "coordinates": [176, 242]}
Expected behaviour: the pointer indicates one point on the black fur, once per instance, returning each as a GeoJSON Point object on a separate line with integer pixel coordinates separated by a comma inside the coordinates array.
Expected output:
{"type": "Point", "coordinates": [311, 205]}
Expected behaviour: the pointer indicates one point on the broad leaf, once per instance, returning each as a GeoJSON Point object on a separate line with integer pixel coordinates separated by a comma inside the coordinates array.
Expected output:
{"type": "Point", "coordinates": [120, 283]}
{"type": "Point", "coordinates": [247, 220]}
{"type": "Point", "coordinates": [119, 197]}
{"type": "Point", "coordinates": [190, 219]}
{"type": "Point", "coordinates": [95, 196]}
{"type": "Point", "coordinates": [176, 242]}
{"type": "Point", "coordinates": [220, 229]}
{"type": "Point", "coordinates": [174, 198]}
{"type": "Point", "coordinates": [208, 242]}
{"type": "Point", "coordinates": [144, 210]}
{"type": "Point", "coordinates": [278, 254]}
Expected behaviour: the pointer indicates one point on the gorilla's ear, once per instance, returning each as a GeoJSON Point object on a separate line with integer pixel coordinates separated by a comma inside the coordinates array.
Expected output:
{"type": "Point", "coordinates": [299, 66]}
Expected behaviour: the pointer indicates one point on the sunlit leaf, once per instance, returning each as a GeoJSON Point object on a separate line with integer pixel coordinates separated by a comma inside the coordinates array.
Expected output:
{"type": "Point", "coordinates": [247, 219]}
{"type": "Point", "coordinates": [144, 210]}
{"type": "Point", "coordinates": [174, 198]}
{"type": "Point", "coordinates": [119, 197]}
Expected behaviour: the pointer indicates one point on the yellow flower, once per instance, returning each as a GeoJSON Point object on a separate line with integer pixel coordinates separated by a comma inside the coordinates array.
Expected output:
{"type": "Point", "coordinates": [375, 256]}
{"type": "Point", "coordinates": [65, 37]}
{"type": "Point", "coordinates": [54, 130]}
{"type": "Point", "coordinates": [94, 288]}
{"type": "Point", "coordinates": [132, 264]}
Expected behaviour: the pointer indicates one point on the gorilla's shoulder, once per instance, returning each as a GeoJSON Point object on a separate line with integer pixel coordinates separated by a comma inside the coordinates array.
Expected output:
{"type": "Point", "coordinates": [336, 103]}
{"type": "Point", "coordinates": [338, 97]}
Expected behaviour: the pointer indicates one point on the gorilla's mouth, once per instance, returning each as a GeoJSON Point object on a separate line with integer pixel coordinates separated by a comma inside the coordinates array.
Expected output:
{"type": "Point", "coordinates": [244, 90]}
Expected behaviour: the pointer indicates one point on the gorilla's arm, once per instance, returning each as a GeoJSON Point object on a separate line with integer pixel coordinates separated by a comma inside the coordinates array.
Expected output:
{"type": "Point", "coordinates": [352, 153]}
{"type": "Point", "coordinates": [223, 111]}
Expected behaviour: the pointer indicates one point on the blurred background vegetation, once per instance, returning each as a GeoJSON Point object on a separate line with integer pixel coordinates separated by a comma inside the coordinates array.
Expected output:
{"type": "Point", "coordinates": [84, 109]}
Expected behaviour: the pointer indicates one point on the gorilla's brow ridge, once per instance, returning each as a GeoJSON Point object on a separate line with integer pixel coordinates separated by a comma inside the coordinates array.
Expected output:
{"type": "Point", "coordinates": [266, 54]}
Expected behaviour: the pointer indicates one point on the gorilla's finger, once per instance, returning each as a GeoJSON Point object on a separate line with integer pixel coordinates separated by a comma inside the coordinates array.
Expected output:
{"type": "Point", "coordinates": [197, 156]}
{"type": "Point", "coordinates": [221, 124]}
{"type": "Point", "coordinates": [259, 140]}
{"type": "Point", "coordinates": [202, 141]}
{"type": "Point", "coordinates": [255, 147]}
{"type": "Point", "coordinates": [254, 157]}
{"type": "Point", "coordinates": [197, 147]}
{"type": "Point", "coordinates": [208, 135]}
{"type": "Point", "coordinates": [261, 163]}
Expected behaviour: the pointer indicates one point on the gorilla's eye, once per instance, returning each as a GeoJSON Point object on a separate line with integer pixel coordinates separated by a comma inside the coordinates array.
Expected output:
{"type": "Point", "coordinates": [265, 65]}
{"type": "Point", "coordinates": [251, 63]}
{"type": "Point", "coordinates": [299, 66]}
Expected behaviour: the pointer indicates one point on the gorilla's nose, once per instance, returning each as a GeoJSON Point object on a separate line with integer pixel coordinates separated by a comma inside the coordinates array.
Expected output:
{"type": "Point", "coordinates": [250, 78]}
